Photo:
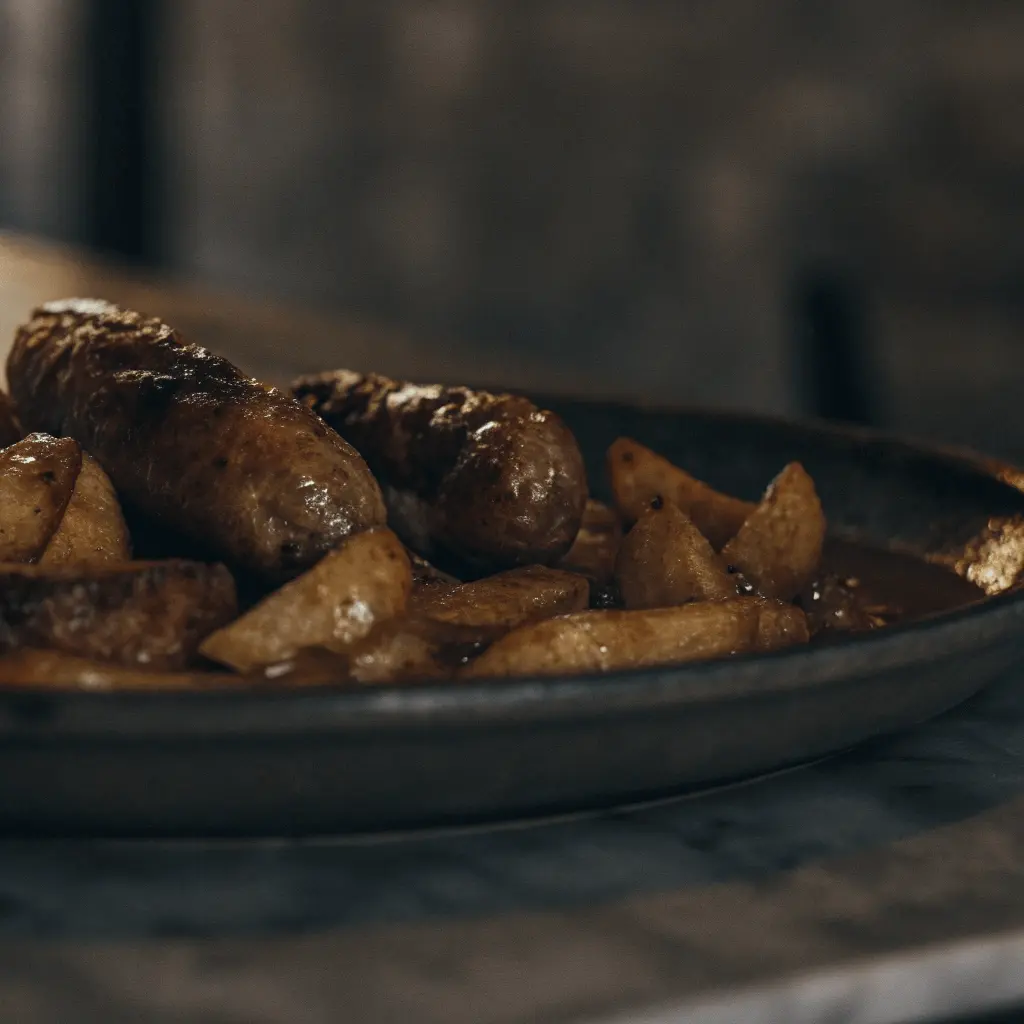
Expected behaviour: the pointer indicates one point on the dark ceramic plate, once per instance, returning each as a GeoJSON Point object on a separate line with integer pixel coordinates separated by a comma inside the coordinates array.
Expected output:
{"type": "Point", "coordinates": [343, 760]}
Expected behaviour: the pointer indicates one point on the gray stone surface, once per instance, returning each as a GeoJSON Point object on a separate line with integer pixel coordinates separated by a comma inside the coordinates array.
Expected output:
{"type": "Point", "coordinates": [885, 885]}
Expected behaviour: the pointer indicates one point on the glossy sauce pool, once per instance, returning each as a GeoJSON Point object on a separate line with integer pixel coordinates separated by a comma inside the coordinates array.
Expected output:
{"type": "Point", "coordinates": [909, 588]}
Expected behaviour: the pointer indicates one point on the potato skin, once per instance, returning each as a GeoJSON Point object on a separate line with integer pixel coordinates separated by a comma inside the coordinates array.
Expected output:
{"type": "Point", "coordinates": [488, 480]}
{"type": "Point", "coordinates": [242, 470]}
{"type": "Point", "coordinates": [364, 581]}
{"type": "Point", "coordinates": [779, 546]}
{"type": "Point", "coordinates": [639, 476]}
{"type": "Point", "coordinates": [92, 530]}
{"type": "Point", "coordinates": [596, 546]}
{"type": "Point", "coordinates": [781, 625]}
{"type": "Point", "coordinates": [427, 578]}
{"type": "Point", "coordinates": [608, 641]}
{"type": "Point", "coordinates": [665, 560]}
{"type": "Point", "coordinates": [37, 480]}
{"type": "Point", "coordinates": [149, 615]}
{"type": "Point", "coordinates": [32, 668]}
{"type": "Point", "coordinates": [507, 599]}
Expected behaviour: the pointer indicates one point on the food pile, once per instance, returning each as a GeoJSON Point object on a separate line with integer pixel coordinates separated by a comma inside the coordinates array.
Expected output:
{"type": "Point", "coordinates": [357, 530]}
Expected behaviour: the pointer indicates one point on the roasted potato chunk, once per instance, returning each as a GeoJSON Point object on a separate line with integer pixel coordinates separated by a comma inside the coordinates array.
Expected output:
{"type": "Point", "coordinates": [312, 666]}
{"type": "Point", "coordinates": [596, 546]}
{"type": "Point", "coordinates": [426, 577]}
{"type": "Point", "coordinates": [149, 615]}
{"type": "Point", "coordinates": [665, 560]}
{"type": "Point", "coordinates": [414, 648]}
{"type": "Point", "coordinates": [781, 625]}
{"type": "Point", "coordinates": [53, 670]}
{"type": "Point", "coordinates": [364, 581]}
{"type": "Point", "coordinates": [37, 478]}
{"type": "Point", "coordinates": [92, 530]}
{"type": "Point", "coordinates": [507, 599]}
{"type": "Point", "coordinates": [606, 641]}
{"type": "Point", "coordinates": [779, 547]}
{"type": "Point", "coordinates": [403, 649]}
{"type": "Point", "coordinates": [639, 476]}
{"type": "Point", "coordinates": [396, 651]}
{"type": "Point", "coordinates": [10, 428]}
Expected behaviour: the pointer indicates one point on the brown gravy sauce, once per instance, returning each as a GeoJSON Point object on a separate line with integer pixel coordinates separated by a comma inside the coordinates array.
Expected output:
{"type": "Point", "coordinates": [894, 587]}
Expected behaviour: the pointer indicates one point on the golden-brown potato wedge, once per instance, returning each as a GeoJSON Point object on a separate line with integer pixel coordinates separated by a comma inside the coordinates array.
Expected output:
{"type": "Point", "coordinates": [779, 547]}
{"type": "Point", "coordinates": [665, 560]}
{"type": "Point", "coordinates": [415, 648]}
{"type": "Point", "coordinates": [149, 615]}
{"type": "Point", "coordinates": [364, 581]}
{"type": "Point", "coordinates": [781, 625]}
{"type": "Point", "coordinates": [10, 428]}
{"type": "Point", "coordinates": [53, 670]}
{"type": "Point", "coordinates": [639, 476]}
{"type": "Point", "coordinates": [403, 649]}
{"type": "Point", "coordinates": [92, 530]}
{"type": "Point", "coordinates": [507, 599]}
{"type": "Point", "coordinates": [37, 477]}
{"type": "Point", "coordinates": [312, 666]}
{"type": "Point", "coordinates": [395, 651]}
{"type": "Point", "coordinates": [597, 544]}
{"type": "Point", "coordinates": [606, 641]}
{"type": "Point", "coordinates": [427, 577]}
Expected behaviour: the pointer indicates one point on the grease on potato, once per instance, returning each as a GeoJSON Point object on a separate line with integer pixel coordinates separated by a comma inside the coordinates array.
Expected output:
{"type": "Point", "coordinates": [639, 476]}
{"type": "Point", "coordinates": [606, 641]}
{"type": "Point", "coordinates": [665, 560]}
{"type": "Point", "coordinates": [609, 641]}
{"type": "Point", "coordinates": [507, 599]}
{"type": "Point", "coordinates": [149, 615]}
{"type": "Point", "coordinates": [364, 581]}
{"type": "Point", "coordinates": [92, 529]}
{"type": "Point", "coordinates": [779, 546]}
{"type": "Point", "coordinates": [414, 648]}
{"type": "Point", "coordinates": [781, 625]}
{"type": "Point", "coordinates": [37, 478]}
{"type": "Point", "coordinates": [54, 670]}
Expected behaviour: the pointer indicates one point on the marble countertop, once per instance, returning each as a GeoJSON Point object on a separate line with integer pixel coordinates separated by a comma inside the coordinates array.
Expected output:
{"type": "Point", "coordinates": [883, 885]}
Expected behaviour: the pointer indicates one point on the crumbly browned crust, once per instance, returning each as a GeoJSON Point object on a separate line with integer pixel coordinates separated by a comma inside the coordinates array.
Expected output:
{"type": "Point", "coordinates": [145, 614]}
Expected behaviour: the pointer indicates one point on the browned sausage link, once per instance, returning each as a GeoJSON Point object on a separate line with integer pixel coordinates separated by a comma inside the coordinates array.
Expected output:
{"type": "Point", "coordinates": [241, 469]}
{"type": "Point", "coordinates": [487, 478]}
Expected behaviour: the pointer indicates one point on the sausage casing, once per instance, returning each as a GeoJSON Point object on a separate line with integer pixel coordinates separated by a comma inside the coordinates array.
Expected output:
{"type": "Point", "coordinates": [488, 480]}
{"type": "Point", "coordinates": [241, 469]}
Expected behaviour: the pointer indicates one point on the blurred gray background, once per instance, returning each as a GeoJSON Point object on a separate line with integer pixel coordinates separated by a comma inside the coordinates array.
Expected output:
{"type": "Point", "coordinates": [667, 197]}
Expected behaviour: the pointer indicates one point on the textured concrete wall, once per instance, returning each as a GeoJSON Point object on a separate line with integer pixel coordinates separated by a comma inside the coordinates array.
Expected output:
{"type": "Point", "coordinates": [626, 189]}
{"type": "Point", "coordinates": [40, 116]}
{"type": "Point", "coordinates": [632, 187]}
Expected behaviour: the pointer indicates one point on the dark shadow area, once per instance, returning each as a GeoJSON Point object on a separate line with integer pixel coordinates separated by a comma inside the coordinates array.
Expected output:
{"type": "Point", "coordinates": [1009, 1016]}
{"type": "Point", "coordinates": [831, 350]}
{"type": "Point", "coordinates": [120, 159]}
